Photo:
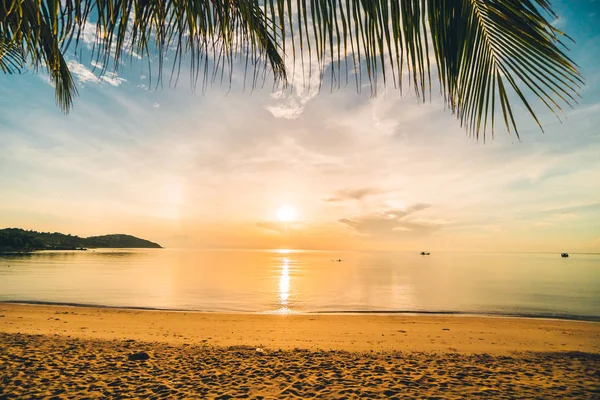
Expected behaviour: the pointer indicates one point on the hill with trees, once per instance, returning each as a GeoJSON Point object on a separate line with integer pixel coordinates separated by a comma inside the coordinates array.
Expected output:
{"type": "Point", "coordinates": [15, 239]}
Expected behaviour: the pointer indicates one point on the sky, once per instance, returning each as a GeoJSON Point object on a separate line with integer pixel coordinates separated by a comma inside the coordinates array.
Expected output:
{"type": "Point", "coordinates": [214, 169]}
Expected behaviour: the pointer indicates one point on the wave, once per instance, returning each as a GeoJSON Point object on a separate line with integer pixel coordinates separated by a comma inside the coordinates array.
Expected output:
{"type": "Point", "coordinates": [490, 314]}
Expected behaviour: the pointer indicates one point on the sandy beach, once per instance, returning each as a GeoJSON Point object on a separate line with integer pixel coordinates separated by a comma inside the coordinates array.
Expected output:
{"type": "Point", "coordinates": [83, 352]}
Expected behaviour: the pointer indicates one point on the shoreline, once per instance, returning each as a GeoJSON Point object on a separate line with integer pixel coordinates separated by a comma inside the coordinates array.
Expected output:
{"type": "Point", "coordinates": [63, 352]}
{"type": "Point", "coordinates": [433, 313]}
{"type": "Point", "coordinates": [359, 332]}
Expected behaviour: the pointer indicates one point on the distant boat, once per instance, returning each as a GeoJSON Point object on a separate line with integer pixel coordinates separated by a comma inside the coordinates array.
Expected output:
{"type": "Point", "coordinates": [564, 255]}
{"type": "Point", "coordinates": [425, 253]}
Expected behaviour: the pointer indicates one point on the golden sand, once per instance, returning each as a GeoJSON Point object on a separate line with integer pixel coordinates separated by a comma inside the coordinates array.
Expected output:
{"type": "Point", "coordinates": [74, 352]}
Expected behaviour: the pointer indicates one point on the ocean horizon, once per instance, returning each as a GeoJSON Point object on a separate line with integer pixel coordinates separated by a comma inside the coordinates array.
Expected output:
{"type": "Point", "coordinates": [541, 285]}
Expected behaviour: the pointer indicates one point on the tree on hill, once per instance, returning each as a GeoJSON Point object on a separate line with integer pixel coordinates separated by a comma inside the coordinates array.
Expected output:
{"type": "Point", "coordinates": [14, 239]}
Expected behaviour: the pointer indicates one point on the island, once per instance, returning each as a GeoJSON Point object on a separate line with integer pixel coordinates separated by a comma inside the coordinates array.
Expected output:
{"type": "Point", "coordinates": [21, 240]}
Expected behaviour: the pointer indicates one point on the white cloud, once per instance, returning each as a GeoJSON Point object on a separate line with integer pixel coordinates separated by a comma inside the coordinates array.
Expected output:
{"type": "Point", "coordinates": [392, 223]}
{"type": "Point", "coordinates": [83, 74]}
{"type": "Point", "coordinates": [46, 79]}
{"type": "Point", "coordinates": [290, 103]}
{"type": "Point", "coordinates": [96, 64]}
{"type": "Point", "coordinates": [112, 78]}
{"type": "Point", "coordinates": [88, 34]}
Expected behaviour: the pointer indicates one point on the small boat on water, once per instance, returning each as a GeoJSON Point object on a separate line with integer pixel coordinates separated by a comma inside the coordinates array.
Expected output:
{"type": "Point", "coordinates": [564, 255]}
{"type": "Point", "coordinates": [425, 253]}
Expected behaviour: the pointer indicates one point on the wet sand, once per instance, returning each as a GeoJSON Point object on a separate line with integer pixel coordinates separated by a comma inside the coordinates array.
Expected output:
{"type": "Point", "coordinates": [74, 352]}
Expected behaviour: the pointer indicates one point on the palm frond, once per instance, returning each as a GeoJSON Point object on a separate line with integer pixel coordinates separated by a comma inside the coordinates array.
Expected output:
{"type": "Point", "coordinates": [483, 48]}
{"type": "Point", "coordinates": [489, 54]}
{"type": "Point", "coordinates": [44, 30]}
{"type": "Point", "coordinates": [30, 28]}
{"type": "Point", "coordinates": [11, 58]}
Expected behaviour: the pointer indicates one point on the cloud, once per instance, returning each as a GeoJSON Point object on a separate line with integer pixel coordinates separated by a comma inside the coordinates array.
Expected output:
{"type": "Point", "coordinates": [291, 105]}
{"type": "Point", "coordinates": [83, 74]}
{"type": "Point", "coordinates": [585, 110]}
{"type": "Point", "coordinates": [46, 79]}
{"type": "Point", "coordinates": [112, 79]}
{"type": "Point", "coordinates": [304, 86]}
{"type": "Point", "coordinates": [352, 194]}
{"type": "Point", "coordinates": [90, 34]}
{"type": "Point", "coordinates": [559, 22]}
{"type": "Point", "coordinates": [572, 209]}
{"type": "Point", "coordinates": [392, 223]}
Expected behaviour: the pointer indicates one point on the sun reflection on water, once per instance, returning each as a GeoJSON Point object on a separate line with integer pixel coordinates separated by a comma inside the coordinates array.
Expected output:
{"type": "Point", "coordinates": [284, 287]}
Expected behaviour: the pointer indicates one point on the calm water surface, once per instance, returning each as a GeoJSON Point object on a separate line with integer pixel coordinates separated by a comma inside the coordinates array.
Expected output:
{"type": "Point", "coordinates": [309, 281]}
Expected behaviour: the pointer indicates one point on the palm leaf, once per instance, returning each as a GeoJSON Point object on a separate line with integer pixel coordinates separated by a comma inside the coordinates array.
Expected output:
{"type": "Point", "coordinates": [30, 29]}
{"type": "Point", "coordinates": [483, 48]}
{"type": "Point", "coordinates": [44, 30]}
{"type": "Point", "coordinates": [11, 58]}
{"type": "Point", "coordinates": [489, 54]}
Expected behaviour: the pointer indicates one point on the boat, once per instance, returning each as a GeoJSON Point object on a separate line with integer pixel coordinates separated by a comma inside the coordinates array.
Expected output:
{"type": "Point", "coordinates": [564, 255]}
{"type": "Point", "coordinates": [425, 253]}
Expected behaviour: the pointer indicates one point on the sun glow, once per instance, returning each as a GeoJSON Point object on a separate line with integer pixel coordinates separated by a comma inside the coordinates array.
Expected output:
{"type": "Point", "coordinates": [286, 213]}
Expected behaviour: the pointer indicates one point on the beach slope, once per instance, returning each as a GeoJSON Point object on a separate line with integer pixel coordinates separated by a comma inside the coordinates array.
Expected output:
{"type": "Point", "coordinates": [71, 352]}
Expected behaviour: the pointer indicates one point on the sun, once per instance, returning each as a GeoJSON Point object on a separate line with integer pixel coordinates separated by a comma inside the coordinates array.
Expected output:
{"type": "Point", "coordinates": [286, 213]}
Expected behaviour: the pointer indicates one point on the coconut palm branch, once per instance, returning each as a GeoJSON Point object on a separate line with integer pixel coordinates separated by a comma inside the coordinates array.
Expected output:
{"type": "Point", "coordinates": [488, 54]}
{"type": "Point", "coordinates": [27, 32]}
{"type": "Point", "coordinates": [12, 59]}
{"type": "Point", "coordinates": [44, 31]}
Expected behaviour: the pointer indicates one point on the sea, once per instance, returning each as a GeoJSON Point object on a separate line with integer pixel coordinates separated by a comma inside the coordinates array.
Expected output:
{"type": "Point", "coordinates": [295, 281]}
